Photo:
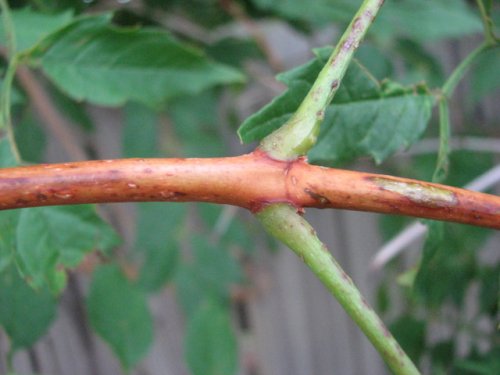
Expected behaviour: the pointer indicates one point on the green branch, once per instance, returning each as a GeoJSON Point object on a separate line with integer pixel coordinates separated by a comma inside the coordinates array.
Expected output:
{"type": "Point", "coordinates": [283, 222]}
{"type": "Point", "coordinates": [299, 134]}
{"type": "Point", "coordinates": [489, 27]}
{"type": "Point", "coordinates": [294, 139]}
{"type": "Point", "coordinates": [459, 72]}
{"type": "Point", "coordinates": [5, 94]}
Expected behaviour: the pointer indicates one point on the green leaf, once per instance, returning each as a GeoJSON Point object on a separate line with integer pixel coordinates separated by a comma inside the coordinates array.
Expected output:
{"type": "Point", "coordinates": [107, 65]}
{"type": "Point", "coordinates": [197, 115]}
{"type": "Point", "coordinates": [420, 64]}
{"type": "Point", "coordinates": [8, 225]}
{"type": "Point", "coordinates": [417, 19]}
{"type": "Point", "coordinates": [7, 156]}
{"type": "Point", "coordinates": [442, 354]}
{"type": "Point", "coordinates": [376, 61]}
{"type": "Point", "coordinates": [32, 27]}
{"type": "Point", "coordinates": [209, 276]}
{"type": "Point", "coordinates": [315, 11]}
{"type": "Point", "coordinates": [489, 295]}
{"type": "Point", "coordinates": [485, 78]}
{"type": "Point", "coordinates": [30, 138]}
{"type": "Point", "coordinates": [377, 123]}
{"type": "Point", "coordinates": [235, 232]}
{"type": "Point", "coordinates": [48, 237]}
{"type": "Point", "coordinates": [485, 364]}
{"type": "Point", "coordinates": [140, 133]}
{"type": "Point", "coordinates": [217, 269]}
{"type": "Point", "coordinates": [75, 112]}
{"type": "Point", "coordinates": [119, 313]}
{"type": "Point", "coordinates": [211, 347]}
{"type": "Point", "coordinates": [157, 242]}
{"type": "Point", "coordinates": [234, 51]}
{"type": "Point", "coordinates": [410, 334]}
{"type": "Point", "coordinates": [448, 262]}
{"type": "Point", "coordinates": [25, 313]}
{"type": "Point", "coordinates": [365, 118]}
{"type": "Point", "coordinates": [426, 20]}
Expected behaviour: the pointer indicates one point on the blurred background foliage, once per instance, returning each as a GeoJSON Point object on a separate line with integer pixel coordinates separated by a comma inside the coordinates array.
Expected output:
{"type": "Point", "coordinates": [184, 75]}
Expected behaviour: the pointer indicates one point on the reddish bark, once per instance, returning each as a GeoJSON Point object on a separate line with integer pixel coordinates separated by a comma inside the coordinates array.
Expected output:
{"type": "Point", "coordinates": [250, 181]}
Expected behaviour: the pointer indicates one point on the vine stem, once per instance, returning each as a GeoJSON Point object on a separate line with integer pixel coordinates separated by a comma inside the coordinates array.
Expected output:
{"type": "Point", "coordinates": [299, 134]}
{"type": "Point", "coordinates": [459, 72]}
{"type": "Point", "coordinates": [5, 94]}
{"type": "Point", "coordinates": [283, 222]}
{"type": "Point", "coordinates": [488, 25]}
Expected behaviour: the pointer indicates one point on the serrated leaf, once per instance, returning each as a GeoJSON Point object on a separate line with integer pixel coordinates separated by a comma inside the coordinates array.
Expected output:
{"type": "Point", "coordinates": [377, 125]}
{"type": "Point", "coordinates": [365, 118]}
{"type": "Point", "coordinates": [42, 244]}
{"type": "Point", "coordinates": [108, 65]}
{"type": "Point", "coordinates": [157, 242]}
{"type": "Point", "coordinates": [31, 27]}
{"type": "Point", "coordinates": [25, 313]}
{"type": "Point", "coordinates": [211, 347]}
{"type": "Point", "coordinates": [119, 313]}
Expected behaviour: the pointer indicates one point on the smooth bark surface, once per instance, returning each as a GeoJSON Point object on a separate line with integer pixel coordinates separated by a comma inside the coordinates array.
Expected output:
{"type": "Point", "coordinates": [251, 181]}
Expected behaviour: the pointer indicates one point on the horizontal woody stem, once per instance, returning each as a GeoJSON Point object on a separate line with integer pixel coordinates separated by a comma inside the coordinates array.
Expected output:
{"type": "Point", "coordinates": [252, 181]}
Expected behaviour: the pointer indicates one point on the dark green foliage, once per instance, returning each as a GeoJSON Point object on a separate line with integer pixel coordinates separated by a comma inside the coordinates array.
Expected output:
{"type": "Point", "coordinates": [169, 84]}
{"type": "Point", "coordinates": [365, 117]}
{"type": "Point", "coordinates": [25, 313]}
{"type": "Point", "coordinates": [119, 313]}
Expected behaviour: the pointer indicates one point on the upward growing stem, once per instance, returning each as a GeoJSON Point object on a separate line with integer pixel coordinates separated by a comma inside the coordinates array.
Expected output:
{"type": "Point", "coordinates": [5, 120]}
{"type": "Point", "coordinates": [299, 134]}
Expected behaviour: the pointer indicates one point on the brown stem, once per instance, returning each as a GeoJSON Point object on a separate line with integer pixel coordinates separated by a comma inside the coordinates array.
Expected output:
{"type": "Point", "coordinates": [251, 181]}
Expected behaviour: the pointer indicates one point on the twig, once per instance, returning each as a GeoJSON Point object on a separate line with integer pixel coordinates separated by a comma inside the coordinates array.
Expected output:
{"type": "Point", "coordinates": [417, 230]}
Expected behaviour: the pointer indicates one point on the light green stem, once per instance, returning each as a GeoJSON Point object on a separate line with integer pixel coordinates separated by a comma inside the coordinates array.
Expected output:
{"type": "Point", "coordinates": [293, 140]}
{"type": "Point", "coordinates": [489, 28]}
{"type": "Point", "coordinates": [459, 72]}
{"type": "Point", "coordinates": [299, 134]}
{"type": "Point", "coordinates": [5, 94]}
{"type": "Point", "coordinates": [444, 141]}
{"type": "Point", "coordinates": [283, 222]}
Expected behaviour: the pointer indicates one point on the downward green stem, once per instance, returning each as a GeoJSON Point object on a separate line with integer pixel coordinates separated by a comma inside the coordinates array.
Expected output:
{"type": "Point", "coordinates": [283, 222]}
